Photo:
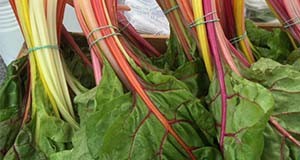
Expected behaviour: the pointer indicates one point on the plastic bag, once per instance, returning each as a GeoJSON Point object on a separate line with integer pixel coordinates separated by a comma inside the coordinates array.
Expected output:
{"type": "Point", "coordinates": [258, 10]}
{"type": "Point", "coordinates": [147, 17]}
{"type": "Point", "coordinates": [11, 39]}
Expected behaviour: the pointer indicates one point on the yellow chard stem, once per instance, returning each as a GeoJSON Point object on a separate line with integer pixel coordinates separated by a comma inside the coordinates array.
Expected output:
{"type": "Point", "coordinates": [181, 25]}
{"type": "Point", "coordinates": [23, 13]}
{"type": "Point", "coordinates": [202, 37]}
{"type": "Point", "coordinates": [38, 31]}
{"type": "Point", "coordinates": [38, 20]}
{"type": "Point", "coordinates": [239, 8]}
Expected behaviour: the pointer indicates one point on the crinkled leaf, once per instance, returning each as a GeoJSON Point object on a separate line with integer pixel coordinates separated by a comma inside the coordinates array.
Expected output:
{"type": "Point", "coordinates": [10, 105]}
{"type": "Point", "coordinates": [109, 88]}
{"type": "Point", "coordinates": [275, 45]}
{"type": "Point", "coordinates": [52, 134]}
{"type": "Point", "coordinates": [284, 83]}
{"type": "Point", "coordinates": [45, 134]}
{"type": "Point", "coordinates": [130, 123]}
{"type": "Point", "coordinates": [294, 57]}
{"type": "Point", "coordinates": [258, 36]}
{"type": "Point", "coordinates": [248, 110]}
{"type": "Point", "coordinates": [23, 147]}
{"type": "Point", "coordinates": [276, 146]}
{"type": "Point", "coordinates": [122, 127]}
{"type": "Point", "coordinates": [174, 56]}
{"type": "Point", "coordinates": [193, 74]}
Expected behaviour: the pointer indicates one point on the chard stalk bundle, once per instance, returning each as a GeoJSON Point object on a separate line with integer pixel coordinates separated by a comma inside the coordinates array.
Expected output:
{"type": "Point", "coordinates": [178, 25]}
{"type": "Point", "coordinates": [135, 38]}
{"type": "Point", "coordinates": [40, 23]}
{"type": "Point", "coordinates": [232, 19]}
{"type": "Point", "coordinates": [217, 51]}
{"type": "Point", "coordinates": [146, 104]}
{"type": "Point", "coordinates": [101, 15]}
{"type": "Point", "coordinates": [288, 14]}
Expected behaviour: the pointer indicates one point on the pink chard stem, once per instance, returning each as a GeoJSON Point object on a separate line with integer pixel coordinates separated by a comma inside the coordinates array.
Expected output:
{"type": "Point", "coordinates": [219, 67]}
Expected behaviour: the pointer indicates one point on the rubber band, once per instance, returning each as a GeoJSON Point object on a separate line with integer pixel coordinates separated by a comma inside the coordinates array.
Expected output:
{"type": "Point", "coordinates": [294, 21]}
{"type": "Point", "coordinates": [201, 21]}
{"type": "Point", "coordinates": [102, 38]}
{"type": "Point", "coordinates": [99, 29]}
{"type": "Point", "coordinates": [238, 38]}
{"type": "Point", "coordinates": [197, 23]}
{"type": "Point", "coordinates": [171, 9]}
{"type": "Point", "coordinates": [30, 50]}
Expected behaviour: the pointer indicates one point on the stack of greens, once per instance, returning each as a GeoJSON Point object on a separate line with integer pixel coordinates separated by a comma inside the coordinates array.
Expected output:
{"type": "Point", "coordinates": [225, 89]}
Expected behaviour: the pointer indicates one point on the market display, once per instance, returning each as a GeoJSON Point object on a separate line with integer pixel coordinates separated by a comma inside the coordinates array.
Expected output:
{"type": "Point", "coordinates": [224, 89]}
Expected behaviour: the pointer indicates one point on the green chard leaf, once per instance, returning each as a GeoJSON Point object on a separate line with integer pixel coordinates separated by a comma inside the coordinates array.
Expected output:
{"type": "Point", "coordinates": [174, 56]}
{"type": "Point", "coordinates": [121, 126]}
{"type": "Point", "coordinates": [249, 106]}
{"type": "Point", "coordinates": [269, 44]}
{"type": "Point", "coordinates": [283, 81]}
{"type": "Point", "coordinates": [23, 147]}
{"type": "Point", "coordinates": [45, 134]}
{"type": "Point", "coordinates": [294, 58]}
{"type": "Point", "coordinates": [194, 75]}
{"type": "Point", "coordinates": [109, 88]}
{"type": "Point", "coordinates": [75, 64]}
{"type": "Point", "coordinates": [11, 112]}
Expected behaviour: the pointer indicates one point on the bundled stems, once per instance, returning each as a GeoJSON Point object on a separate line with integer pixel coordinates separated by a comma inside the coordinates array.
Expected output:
{"type": "Point", "coordinates": [241, 37]}
{"type": "Point", "coordinates": [134, 37]}
{"type": "Point", "coordinates": [38, 20]}
{"type": "Point", "coordinates": [224, 48]}
{"type": "Point", "coordinates": [287, 11]}
{"type": "Point", "coordinates": [219, 67]}
{"type": "Point", "coordinates": [232, 20]}
{"type": "Point", "coordinates": [202, 37]}
{"type": "Point", "coordinates": [228, 22]}
{"type": "Point", "coordinates": [175, 17]}
{"type": "Point", "coordinates": [75, 47]}
{"type": "Point", "coordinates": [99, 14]}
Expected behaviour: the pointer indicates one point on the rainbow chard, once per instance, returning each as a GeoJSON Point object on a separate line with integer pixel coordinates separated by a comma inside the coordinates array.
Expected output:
{"type": "Point", "coordinates": [150, 107]}
{"type": "Point", "coordinates": [227, 50]}
{"type": "Point", "coordinates": [178, 24]}
{"type": "Point", "coordinates": [230, 95]}
{"type": "Point", "coordinates": [218, 47]}
{"type": "Point", "coordinates": [227, 17]}
{"type": "Point", "coordinates": [232, 20]}
{"type": "Point", "coordinates": [212, 38]}
{"type": "Point", "coordinates": [202, 37]}
{"type": "Point", "coordinates": [44, 54]}
{"type": "Point", "coordinates": [134, 37]}
{"type": "Point", "coordinates": [69, 38]}
{"type": "Point", "coordinates": [48, 120]}
{"type": "Point", "coordinates": [249, 106]}
{"type": "Point", "coordinates": [130, 55]}
{"type": "Point", "coordinates": [186, 8]}
{"type": "Point", "coordinates": [288, 14]}
{"type": "Point", "coordinates": [241, 37]}
{"type": "Point", "coordinates": [96, 59]}
{"type": "Point", "coordinates": [282, 139]}
{"type": "Point", "coordinates": [11, 97]}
